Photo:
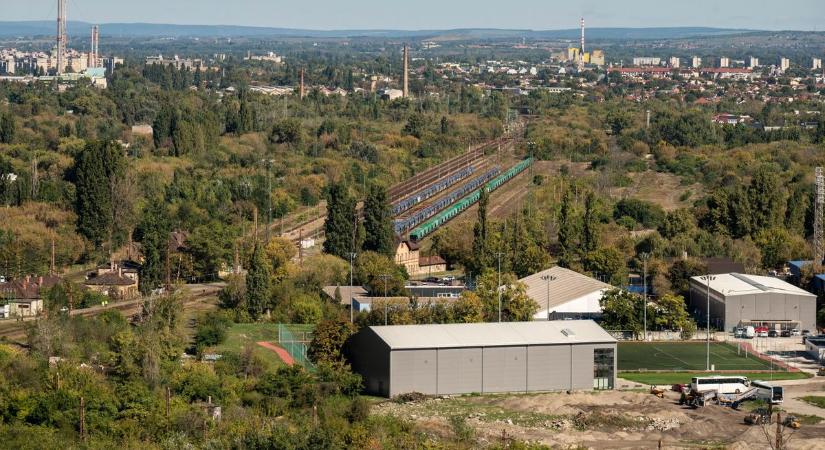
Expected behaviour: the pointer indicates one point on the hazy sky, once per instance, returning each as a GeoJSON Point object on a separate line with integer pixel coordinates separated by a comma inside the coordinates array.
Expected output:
{"type": "Point", "coordinates": [437, 14]}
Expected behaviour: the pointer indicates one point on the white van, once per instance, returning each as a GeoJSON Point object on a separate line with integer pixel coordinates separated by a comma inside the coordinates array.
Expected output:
{"type": "Point", "coordinates": [750, 332]}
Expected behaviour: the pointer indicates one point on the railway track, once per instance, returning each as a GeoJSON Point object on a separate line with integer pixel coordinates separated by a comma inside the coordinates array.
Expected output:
{"type": "Point", "coordinates": [15, 332]}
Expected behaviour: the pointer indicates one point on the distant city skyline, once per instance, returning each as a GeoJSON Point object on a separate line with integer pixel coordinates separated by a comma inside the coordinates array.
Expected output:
{"type": "Point", "coordinates": [436, 14]}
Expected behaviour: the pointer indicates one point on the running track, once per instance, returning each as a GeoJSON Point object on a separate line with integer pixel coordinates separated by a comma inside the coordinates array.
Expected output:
{"type": "Point", "coordinates": [283, 354]}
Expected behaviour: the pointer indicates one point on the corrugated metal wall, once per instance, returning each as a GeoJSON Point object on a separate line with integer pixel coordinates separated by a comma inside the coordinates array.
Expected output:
{"type": "Point", "coordinates": [413, 371]}
{"type": "Point", "coordinates": [459, 370]}
{"type": "Point", "coordinates": [491, 369]}
{"type": "Point", "coordinates": [505, 369]}
{"type": "Point", "coordinates": [548, 368]}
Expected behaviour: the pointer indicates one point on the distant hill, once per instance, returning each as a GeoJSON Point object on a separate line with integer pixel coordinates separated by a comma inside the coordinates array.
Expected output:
{"type": "Point", "coordinates": [46, 28]}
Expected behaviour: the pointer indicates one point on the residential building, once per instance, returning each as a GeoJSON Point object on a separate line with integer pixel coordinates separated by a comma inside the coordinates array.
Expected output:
{"type": "Point", "coordinates": [751, 300]}
{"type": "Point", "coordinates": [816, 64]}
{"type": "Point", "coordinates": [646, 61]}
{"type": "Point", "coordinates": [696, 62]}
{"type": "Point", "coordinates": [114, 281]}
{"type": "Point", "coordinates": [597, 58]}
{"type": "Point", "coordinates": [24, 297]}
{"type": "Point", "coordinates": [407, 255]}
{"type": "Point", "coordinates": [753, 62]}
{"type": "Point", "coordinates": [724, 62]}
{"type": "Point", "coordinates": [674, 62]}
{"type": "Point", "coordinates": [784, 64]}
{"type": "Point", "coordinates": [446, 359]}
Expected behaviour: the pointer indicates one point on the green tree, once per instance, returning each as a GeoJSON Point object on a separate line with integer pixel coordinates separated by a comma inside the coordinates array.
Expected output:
{"type": "Point", "coordinates": [516, 305]}
{"type": "Point", "coordinates": [287, 131]}
{"type": "Point", "coordinates": [468, 308]}
{"type": "Point", "coordinates": [765, 195]}
{"type": "Point", "coordinates": [370, 268]}
{"type": "Point", "coordinates": [671, 313]}
{"type": "Point", "coordinates": [481, 253]}
{"type": "Point", "coordinates": [568, 230]}
{"type": "Point", "coordinates": [153, 234]}
{"type": "Point", "coordinates": [340, 225]}
{"type": "Point", "coordinates": [608, 264]}
{"type": "Point", "coordinates": [677, 223]}
{"type": "Point", "coordinates": [98, 168]}
{"type": "Point", "coordinates": [8, 128]}
{"type": "Point", "coordinates": [257, 283]}
{"type": "Point", "coordinates": [328, 341]}
{"type": "Point", "coordinates": [681, 271]}
{"type": "Point", "coordinates": [378, 222]}
{"type": "Point", "coordinates": [590, 228]}
{"type": "Point", "coordinates": [621, 310]}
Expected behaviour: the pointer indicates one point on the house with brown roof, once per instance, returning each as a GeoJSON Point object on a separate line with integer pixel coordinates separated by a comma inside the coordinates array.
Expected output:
{"type": "Point", "coordinates": [407, 254]}
{"type": "Point", "coordinates": [116, 281]}
{"type": "Point", "coordinates": [24, 297]}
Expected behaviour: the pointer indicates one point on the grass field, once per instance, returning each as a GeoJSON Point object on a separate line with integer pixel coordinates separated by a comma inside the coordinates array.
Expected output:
{"type": "Point", "coordinates": [240, 335]}
{"type": "Point", "coordinates": [684, 377]}
{"type": "Point", "coordinates": [685, 356]}
{"type": "Point", "coordinates": [816, 400]}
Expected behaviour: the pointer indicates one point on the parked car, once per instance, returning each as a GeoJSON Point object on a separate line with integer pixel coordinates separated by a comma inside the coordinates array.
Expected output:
{"type": "Point", "coordinates": [786, 333]}
{"type": "Point", "coordinates": [750, 332]}
{"type": "Point", "coordinates": [739, 332]}
{"type": "Point", "coordinates": [762, 332]}
{"type": "Point", "coordinates": [795, 332]}
{"type": "Point", "coordinates": [804, 332]}
{"type": "Point", "coordinates": [773, 333]}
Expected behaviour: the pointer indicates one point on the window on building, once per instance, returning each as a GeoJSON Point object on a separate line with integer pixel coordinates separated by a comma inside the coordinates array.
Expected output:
{"type": "Point", "coordinates": [603, 368]}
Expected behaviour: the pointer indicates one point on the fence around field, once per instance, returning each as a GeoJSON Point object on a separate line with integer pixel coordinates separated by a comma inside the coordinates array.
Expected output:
{"type": "Point", "coordinates": [699, 335]}
{"type": "Point", "coordinates": [295, 340]}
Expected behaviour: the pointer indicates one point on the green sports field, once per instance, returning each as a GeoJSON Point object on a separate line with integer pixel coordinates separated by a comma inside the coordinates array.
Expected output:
{"type": "Point", "coordinates": [685, 356]}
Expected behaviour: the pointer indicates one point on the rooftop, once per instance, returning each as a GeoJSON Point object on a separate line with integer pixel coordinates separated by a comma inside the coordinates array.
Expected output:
{"type": "Point", "coordinates": [568, 285]}
{"type": "Point", "coordinates": [492, 334]}
{"type": "Point", "coordinates": [731, 284]}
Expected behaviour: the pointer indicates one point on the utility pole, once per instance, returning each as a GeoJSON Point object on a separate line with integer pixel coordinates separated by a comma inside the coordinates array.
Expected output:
{"type": "Point", "coordinates": [82, 419]}
{"type": "Point", "coordinates": [385, 277]}
{"type": "Point", "coordinates": [351, 306]}
{"type": "Point", "coordinates": [819, 225]}
{"type": "Point", "coordinates": [707, 279]}
{"type": "Point", "coordinates": [168, 402]}
{"type": "Point", "coordinates": [498, 286]}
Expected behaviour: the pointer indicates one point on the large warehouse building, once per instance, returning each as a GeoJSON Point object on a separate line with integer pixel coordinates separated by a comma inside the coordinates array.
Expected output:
{"type": "Point", "coordinates": [484, 357]}
{"type": "Point", "coordinates": [751, 300]}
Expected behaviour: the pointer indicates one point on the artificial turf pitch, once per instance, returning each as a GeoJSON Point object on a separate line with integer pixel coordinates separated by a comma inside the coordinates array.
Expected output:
{"type": "Point", "coordinates": [685, 356]}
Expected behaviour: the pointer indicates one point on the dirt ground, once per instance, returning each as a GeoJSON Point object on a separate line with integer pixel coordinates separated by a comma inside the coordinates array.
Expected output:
{"type": "Point", "coordinates": [597, 420]}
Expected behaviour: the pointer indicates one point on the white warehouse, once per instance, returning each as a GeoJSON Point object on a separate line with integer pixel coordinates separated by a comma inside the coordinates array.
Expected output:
{"type": "Point", "coordinates": [563, 294]}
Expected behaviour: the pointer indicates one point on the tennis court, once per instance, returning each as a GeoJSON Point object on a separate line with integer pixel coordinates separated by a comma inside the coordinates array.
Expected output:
{"type": "Point", "coordinates": [686, 356]}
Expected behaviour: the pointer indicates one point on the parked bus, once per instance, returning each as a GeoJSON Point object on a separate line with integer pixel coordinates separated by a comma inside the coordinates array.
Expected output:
{"type": "Point", "coordinates": [768, 392]}
{"type": "Point", "coordinates": [722, 385]}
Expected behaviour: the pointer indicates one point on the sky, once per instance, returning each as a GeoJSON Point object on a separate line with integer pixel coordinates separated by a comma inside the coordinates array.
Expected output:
{"type": "Point", "coordinates": [436, 14]}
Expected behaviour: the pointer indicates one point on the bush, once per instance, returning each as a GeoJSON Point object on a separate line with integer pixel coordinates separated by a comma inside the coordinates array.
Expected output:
{"type": "Point", "coordinates": [359, 410]}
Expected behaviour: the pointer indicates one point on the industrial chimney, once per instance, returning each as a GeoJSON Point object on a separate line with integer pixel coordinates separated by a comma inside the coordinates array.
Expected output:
{"type": "Point", "coordinates": [61, 36]}
{"type": "Point", "coordinates": [302, 91]}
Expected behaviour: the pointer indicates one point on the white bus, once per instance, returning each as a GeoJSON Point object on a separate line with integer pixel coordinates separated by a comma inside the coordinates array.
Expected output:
{"type": "Point", "coordinates": [722, 385]}
{"type": "Point", "coordinates": [768, 392]}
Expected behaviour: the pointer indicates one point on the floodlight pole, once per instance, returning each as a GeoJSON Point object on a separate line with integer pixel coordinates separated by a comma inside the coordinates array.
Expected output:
{"type": "Point", "coordinates": [645, 257]}
{"type": "Point", "coordinates": [548, 279]}
{"type": "Point", "coordinates": [708, 279]}
{"type": "Point", "coordinates": [498, 287]}
{"type": "Point", "coordinates": [385, 277]}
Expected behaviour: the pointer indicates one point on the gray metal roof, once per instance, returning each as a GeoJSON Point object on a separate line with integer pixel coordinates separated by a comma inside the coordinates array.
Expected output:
{"type": "Point", "coordinates": [401, 337]}
{"type": "Point", "coordinates": [731, 284]}
{"type": "Point", "coordinates": [567, 286]}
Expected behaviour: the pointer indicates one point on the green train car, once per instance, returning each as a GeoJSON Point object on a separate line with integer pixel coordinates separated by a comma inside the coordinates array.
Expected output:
{"type": "Point", "coordinates": [444, 216]}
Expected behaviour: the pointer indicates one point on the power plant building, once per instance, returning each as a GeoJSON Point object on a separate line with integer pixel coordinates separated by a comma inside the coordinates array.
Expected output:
{"type": "Point", "coordinates": [484, 357]}
{"type": "Point", "coordinates": [739, 300]}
